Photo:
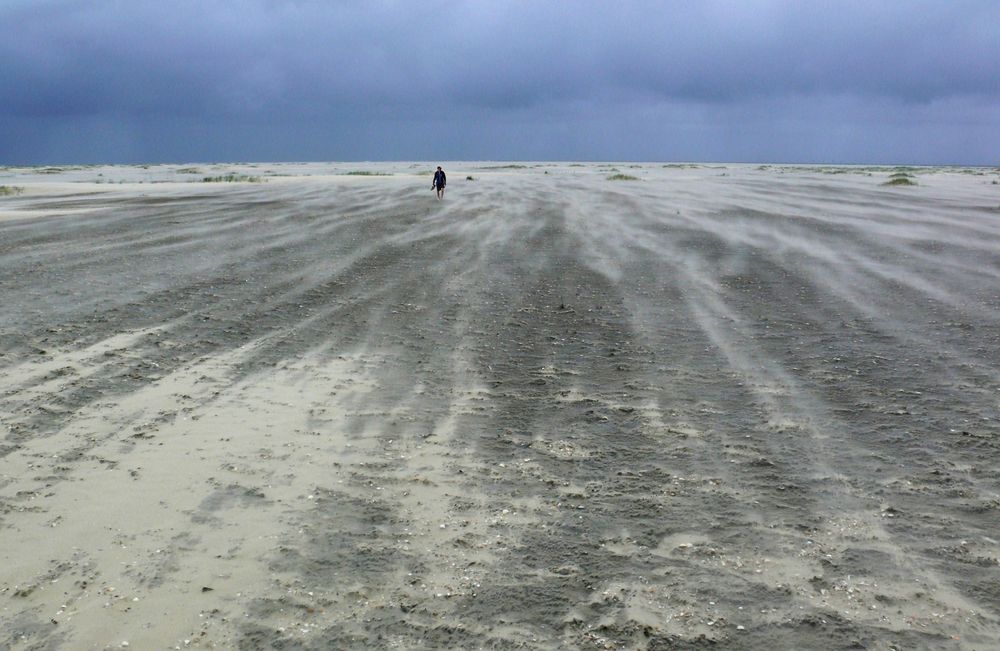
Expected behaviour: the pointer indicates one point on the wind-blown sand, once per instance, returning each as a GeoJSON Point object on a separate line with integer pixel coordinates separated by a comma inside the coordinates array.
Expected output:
{"type": "Point", "coordinates": [755, 406]}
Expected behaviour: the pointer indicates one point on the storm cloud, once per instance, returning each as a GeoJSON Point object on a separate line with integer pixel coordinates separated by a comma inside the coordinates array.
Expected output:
{"type": "Point", "coordinates": [766, 80]}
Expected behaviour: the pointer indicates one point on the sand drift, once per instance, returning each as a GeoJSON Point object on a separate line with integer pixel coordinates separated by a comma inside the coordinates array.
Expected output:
{"type": "Point", "coordinates": [311, 407]}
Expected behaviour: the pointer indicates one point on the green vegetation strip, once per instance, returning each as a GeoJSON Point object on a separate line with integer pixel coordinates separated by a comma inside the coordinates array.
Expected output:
{"type": "Point", "coordinates": [10, 190]}
{"type": "Point", "coordinates": [233, 178]}
{"type": "Point", "coordinates": [623, 177]}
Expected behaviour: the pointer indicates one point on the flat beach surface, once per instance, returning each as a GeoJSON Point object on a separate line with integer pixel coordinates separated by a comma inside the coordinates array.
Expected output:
{"type": "Point", "coordinates": [754, 406]}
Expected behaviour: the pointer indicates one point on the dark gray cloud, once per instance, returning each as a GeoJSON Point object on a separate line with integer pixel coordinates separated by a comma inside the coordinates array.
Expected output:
{"type": "Point", "coordinates": [286, 79]}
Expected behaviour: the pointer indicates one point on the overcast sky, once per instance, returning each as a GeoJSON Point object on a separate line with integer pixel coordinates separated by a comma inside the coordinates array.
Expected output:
{"type": "Point", "coordinates": [878, 81]}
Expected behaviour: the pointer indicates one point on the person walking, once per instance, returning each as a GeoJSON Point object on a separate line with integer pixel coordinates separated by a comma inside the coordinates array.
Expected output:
{"type": "Point", "coordinates": [439, 182]}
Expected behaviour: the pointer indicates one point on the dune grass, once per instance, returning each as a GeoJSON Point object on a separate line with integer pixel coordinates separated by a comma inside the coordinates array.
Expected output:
{"type": "Point", "coordinates": [903, 179]}
{"type": "Point", "coordinates": [10, 190]}
{"type": "Point", "coordinates": [233, 178]}
{"type": "Point", "coordinates": [623, 177]}
{"type": "Point", "coordinates": [366, 173]}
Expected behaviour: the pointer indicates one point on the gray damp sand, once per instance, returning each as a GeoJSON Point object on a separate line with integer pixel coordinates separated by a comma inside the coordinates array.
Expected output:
{"type": "Point", "coordinates": [732, 406]}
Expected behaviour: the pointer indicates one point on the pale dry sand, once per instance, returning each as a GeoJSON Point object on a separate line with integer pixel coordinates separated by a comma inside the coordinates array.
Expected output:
{"type": "Point", "coordinates": [732, 406]}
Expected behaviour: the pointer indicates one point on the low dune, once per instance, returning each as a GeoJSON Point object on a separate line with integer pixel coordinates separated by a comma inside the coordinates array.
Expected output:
{"type": "Point", "coordinates": [588, 406]}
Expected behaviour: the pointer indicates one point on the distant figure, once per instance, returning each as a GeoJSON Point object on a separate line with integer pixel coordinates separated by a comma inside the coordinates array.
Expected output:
{"type": "Point", "coordinates": [439, 182]}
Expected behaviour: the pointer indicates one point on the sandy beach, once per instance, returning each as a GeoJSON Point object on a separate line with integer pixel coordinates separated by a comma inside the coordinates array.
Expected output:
{"type": "Point", "coordinates": [710, 406]}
